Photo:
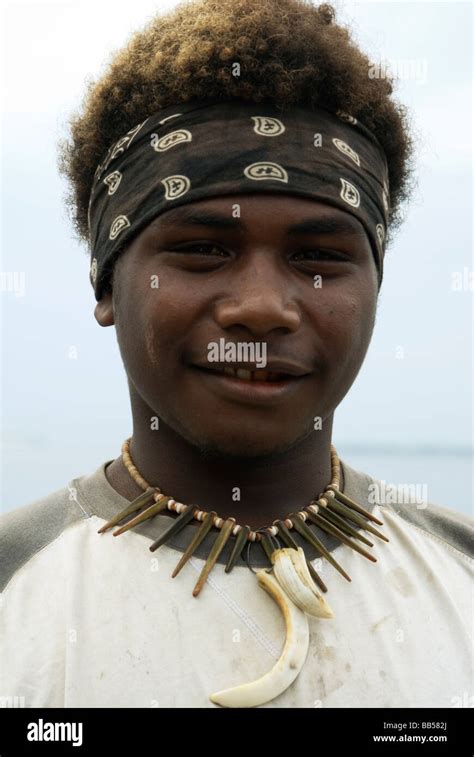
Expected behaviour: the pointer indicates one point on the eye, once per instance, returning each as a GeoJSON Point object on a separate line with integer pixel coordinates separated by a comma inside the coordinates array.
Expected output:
{"type": "Point", "coordinates": [202, 248]}
{"type": "Point", "coordinates": [319, 255]}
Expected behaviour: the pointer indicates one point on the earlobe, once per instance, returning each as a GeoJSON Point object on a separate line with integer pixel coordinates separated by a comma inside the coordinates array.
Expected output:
{"type": "Point", "coordinates": [104, 310]}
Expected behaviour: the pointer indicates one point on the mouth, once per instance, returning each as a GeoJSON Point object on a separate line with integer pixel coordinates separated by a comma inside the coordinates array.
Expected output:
{"type": "Point", "coordinates": [259, 374]}
{"type": "Point", "coordinates": [254, 386]}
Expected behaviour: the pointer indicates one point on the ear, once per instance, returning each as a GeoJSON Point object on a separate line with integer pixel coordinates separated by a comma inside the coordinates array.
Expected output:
{"type": "Point", "coordinates": [104, 310]}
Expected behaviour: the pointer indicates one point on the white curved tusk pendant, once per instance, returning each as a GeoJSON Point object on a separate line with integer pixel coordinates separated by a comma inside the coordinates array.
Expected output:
{"type": "Point", "coordinates": [293, 589]}
{"type": "Point", "coordinates": [293, 575]}
{"type": "Point", "coordinates": [291, 660]}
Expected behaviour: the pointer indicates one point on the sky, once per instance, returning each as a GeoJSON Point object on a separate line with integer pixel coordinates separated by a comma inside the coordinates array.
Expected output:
{"type": "Point", "coordinates": [65, 406]}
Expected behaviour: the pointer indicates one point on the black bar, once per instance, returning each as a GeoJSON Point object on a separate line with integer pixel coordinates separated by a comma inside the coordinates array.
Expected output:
{"type": "Point", "coordinates": [368, 731]}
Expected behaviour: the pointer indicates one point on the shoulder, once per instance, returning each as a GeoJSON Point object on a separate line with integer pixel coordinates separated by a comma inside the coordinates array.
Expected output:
{"type": "Point", "coordinates": [30, 528]}
{"type": "Point", "coordinates": [454, 528]}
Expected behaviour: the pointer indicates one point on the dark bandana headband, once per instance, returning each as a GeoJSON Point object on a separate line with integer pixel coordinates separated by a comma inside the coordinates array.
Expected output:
{"type": "Point", "coordinates": [207, 148]}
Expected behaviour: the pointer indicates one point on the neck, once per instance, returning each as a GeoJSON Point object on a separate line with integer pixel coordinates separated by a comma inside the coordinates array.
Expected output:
{"type": "Point", "coordinates": [254, 490]}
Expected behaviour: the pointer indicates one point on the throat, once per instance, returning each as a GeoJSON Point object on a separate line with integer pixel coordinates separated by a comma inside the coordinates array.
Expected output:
{"type": "Point", "coordinates": [255, 495]}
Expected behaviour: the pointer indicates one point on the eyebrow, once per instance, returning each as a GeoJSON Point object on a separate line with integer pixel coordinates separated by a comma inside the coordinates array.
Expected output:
{"type": "Point", "coordinates": [191, 217]}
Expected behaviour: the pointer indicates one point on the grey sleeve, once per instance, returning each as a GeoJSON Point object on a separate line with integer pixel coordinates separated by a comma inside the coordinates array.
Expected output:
{"type": "Point", "coordinates": [28, 529]}
{"type": "Point", "coordinates": [455, 528]}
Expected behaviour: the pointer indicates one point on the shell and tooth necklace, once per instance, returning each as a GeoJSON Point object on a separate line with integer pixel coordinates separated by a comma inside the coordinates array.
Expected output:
{"type": "Point", "coordinates": [290, 579]}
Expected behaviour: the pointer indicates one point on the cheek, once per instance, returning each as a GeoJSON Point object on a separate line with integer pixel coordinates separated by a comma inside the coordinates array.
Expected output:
{"type": "Point", "coordinates": [357, 315]}
{"type": "Point", "coordinates": [344, 322]}
{"type": "Point", "coordinates": [153, 324]}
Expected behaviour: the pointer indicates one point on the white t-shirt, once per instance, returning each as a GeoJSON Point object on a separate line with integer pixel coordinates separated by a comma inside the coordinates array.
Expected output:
{"type": "Point", "coordinates": [90, 620]}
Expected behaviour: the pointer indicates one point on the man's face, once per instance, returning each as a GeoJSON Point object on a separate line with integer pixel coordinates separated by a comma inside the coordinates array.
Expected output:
{"type": "Point", "coordinates": [247, 279]}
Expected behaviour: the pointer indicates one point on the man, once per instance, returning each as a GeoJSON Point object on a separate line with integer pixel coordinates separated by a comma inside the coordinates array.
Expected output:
{"type": "Point", "coordinates": [222, 216]}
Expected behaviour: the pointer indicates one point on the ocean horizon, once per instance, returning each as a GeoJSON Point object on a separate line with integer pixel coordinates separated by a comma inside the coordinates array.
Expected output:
{"type": "Point", "coordinates": [445, 475]}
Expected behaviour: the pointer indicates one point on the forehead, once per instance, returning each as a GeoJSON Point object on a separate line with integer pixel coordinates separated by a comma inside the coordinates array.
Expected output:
{"type": "Point", "coordinates": [246, 210]}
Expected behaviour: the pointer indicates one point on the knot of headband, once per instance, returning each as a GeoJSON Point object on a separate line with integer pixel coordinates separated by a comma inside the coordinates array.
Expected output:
{"type": "Point", "coordinates": [208, 148]}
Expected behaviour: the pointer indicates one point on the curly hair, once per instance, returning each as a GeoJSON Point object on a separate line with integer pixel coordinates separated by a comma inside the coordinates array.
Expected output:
{"type": "Point", "coordinates": [290, 52]}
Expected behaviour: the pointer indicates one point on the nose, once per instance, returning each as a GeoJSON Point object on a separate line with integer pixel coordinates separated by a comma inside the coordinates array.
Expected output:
{"type": "Point", "coordinates": [261, 298]}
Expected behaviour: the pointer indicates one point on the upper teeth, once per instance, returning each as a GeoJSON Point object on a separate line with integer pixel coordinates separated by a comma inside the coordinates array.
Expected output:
{"type": "Point", "coordinates": [252, 375]}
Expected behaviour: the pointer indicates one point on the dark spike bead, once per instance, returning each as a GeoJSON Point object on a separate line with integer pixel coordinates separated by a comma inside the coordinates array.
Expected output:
{"type": "Point", "coordinates": [268, 546]}
{"type": "Point", "coordinates": [350, 503]}
{"type": "Point", "coordinates": [150, 512]}
{"type": "Point", "coordinates": [137, 503]}
{"type": "Point", "coordinates": [205, 527]}
{"type": "Point", "coordinates": [336, 519]}
{"type": "Point", "coordinates": [265, 552]}
{"type": "Point", "coordinates": [311, 537]}
{"type": "Point", "coordinates": [334, 504]}
{"type": "Point", "coordinates": [178, 524]}
{"type": "Point", "coordinates": [334, 531]}
{"type": "Point", "coordinates": [219, 543]}
{"type": "Point", "coordinates": [240, 542]}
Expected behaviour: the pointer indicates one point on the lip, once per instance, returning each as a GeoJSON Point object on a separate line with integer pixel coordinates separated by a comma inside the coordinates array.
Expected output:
{"type": "Point", "coordinates": [253, 392]}
{"type": "Point", "coordinates": [274, 366]}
